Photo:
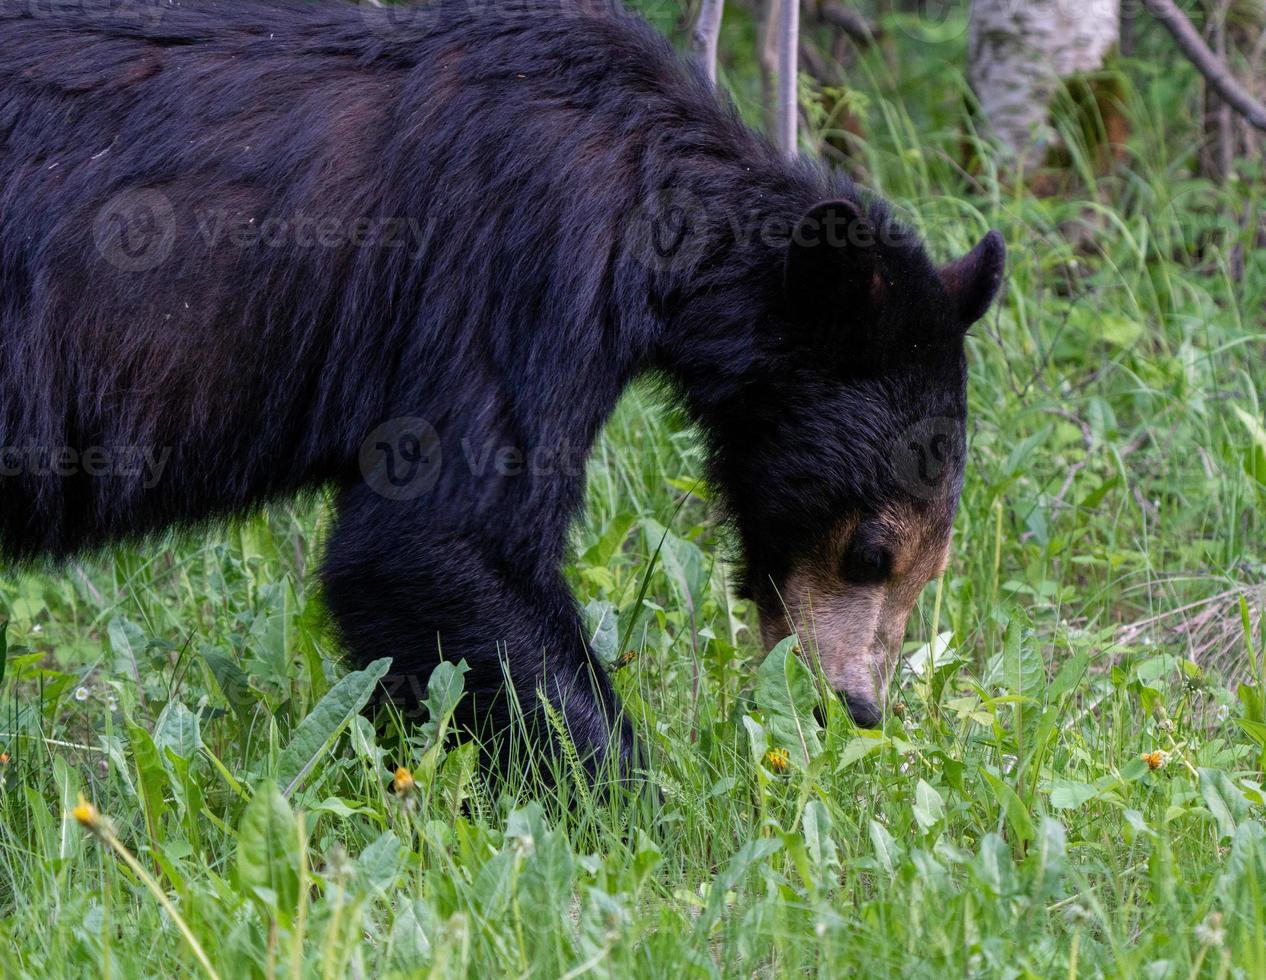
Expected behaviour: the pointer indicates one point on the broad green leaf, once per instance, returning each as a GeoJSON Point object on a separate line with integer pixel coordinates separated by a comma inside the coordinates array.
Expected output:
{"type": "Point", "coordinates": [1117, 329]}
{"type": "Point", "coordinates": [270, 632]}
{"type": "Point", "coordinates": [128, 643]}
{"type": "Point", "coordinates": [339, 807]}
{"type": "Point", "coordinates": [933, 655]}
{"type": "Point", "coordinates": [68, 783]}
{"type": "Point", "coordinates": [268, 853]}
{"type": "Point", "coordinates": [929, 808]}
{"type": "Point", "coordinates": [1068, 794]}
{"type": "Point", "coordinates": [787, 694]}
{"type": "Point", "coordinates": [993, 866]}
{"type": "Point", "coordinates": [1018, 818]}
{"type": "Point", "coordinates": [1051, 857]}
{"type": "Point", "coordinates": [1255, 456]}
{"type": "Point", "coordinates": [177, 729]}
{"type": "Point", "coordinates": [1138, 824]}
{"type": "Point", "coordinates": [603, 626]}
{"type": "Point", "coordinates": [682, 561]}
{"type": "Point", "coordinates": [1245, 864]}
{"type": "Point", "coordinates": [647, 858]}
{"type": "Point", "coordinates": [234, 682]}
{"type": "Point", "coordinates": [494, 884]}
{"type": "Point", "coordinates": [545, 881]}
{"type": "Point", "coordinates": [887, 850]}
{"type": "Point", "coordinates": [324, 722]}
{"type": "Point", "coordinates": [188, 794]}
{"type": "Point", "coordinates": [1255, 729]}
{"type": "Point", "coordinates": [603, 551]}
{"type": "Point", "coordinates": [1018, 668]}
{"type": "Point", "coordinates": [444, 690]}
{"type": "Point", "coordinates": [310, 629]}
{"type": "Point", "coordinates": [380, 861]}
{"type": "Point", "coordinates": [750, 855]}
{"type": "Point", "coordinates": [757, 737]}
{"type": "Point", "coordinates": [861, 746]}
{"type": "Point", "coordinates": [151, 777]}
{"type": "Point", "coordinates": [1070, 675]}
{"type": "Point", "coordinates": [1133, 770]}
{"type": "Point", "coordinates": [4, 648]}
{"type": "Point", "coordinates": [409, 943]}
{"type": "Point", "coordinates": [1225, 802]}
{"type": "Point", "coordinates": [817, 838]}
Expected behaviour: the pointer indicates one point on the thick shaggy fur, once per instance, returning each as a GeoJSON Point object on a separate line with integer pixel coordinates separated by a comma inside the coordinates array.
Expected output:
{"type": "Point", "coordinates": [511, 151]}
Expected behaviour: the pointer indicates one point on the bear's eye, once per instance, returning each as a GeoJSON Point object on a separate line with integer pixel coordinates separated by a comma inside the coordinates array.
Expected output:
{"type": "Point", "coordinates": [866, 564]}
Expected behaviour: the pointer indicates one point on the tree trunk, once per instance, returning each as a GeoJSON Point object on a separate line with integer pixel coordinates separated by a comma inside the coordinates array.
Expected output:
{"type": "Point", "coordinates": [1020, 52]}
{"type": "Point", "coordinates": [705, 33]}
{"type": "Point", "coordinates": [767, 55]}
{"type": "Point", "coordinates": [788, 76]}
{"type": "Point", "coordinates": [1236, 32]}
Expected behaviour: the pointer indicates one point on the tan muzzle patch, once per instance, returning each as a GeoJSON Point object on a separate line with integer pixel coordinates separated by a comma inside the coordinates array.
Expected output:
{"type": "Point", "coordinates": [856, 630]}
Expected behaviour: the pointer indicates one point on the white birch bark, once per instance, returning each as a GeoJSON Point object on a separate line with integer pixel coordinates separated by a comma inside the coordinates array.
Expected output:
{"type": "Point", "coordinates": [788, 111]}
{"type": "Point", "coordinates": [705, 34]}
{"type": "Point", "coordinates": [1019, 50]}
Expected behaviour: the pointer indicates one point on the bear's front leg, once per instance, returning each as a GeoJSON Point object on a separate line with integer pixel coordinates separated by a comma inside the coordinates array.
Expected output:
{"type": "Point", "coordinates": [401, 584]}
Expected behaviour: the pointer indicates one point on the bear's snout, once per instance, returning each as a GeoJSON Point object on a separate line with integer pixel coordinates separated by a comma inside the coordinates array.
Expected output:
{"type": "Point", "coordinates": [864, 711]}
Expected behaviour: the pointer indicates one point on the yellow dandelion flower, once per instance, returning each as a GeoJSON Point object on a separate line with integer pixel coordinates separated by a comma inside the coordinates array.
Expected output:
{"type": "Point", "coordinates": [1155, 760]}
{"type": "Point", "coordinates": [403, 783]}
{"type": "Point", "coordinates": [4, 758]}
{"type": "Point", "coordinates": [779, 760]}
{"type": "Point", "coordinates": [626, 658]}
{"type": "Point", "coordinates": [87, 814]}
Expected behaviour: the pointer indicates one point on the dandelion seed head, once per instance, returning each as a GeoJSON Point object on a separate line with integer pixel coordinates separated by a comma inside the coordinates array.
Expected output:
{"type": "Point", "coordinates": [1210, 932]}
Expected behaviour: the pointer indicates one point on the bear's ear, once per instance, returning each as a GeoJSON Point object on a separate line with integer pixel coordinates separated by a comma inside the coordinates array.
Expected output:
{"type": "Point", "coordinates": [830, 265]}
{"type": "Point", "coordinates": [972, 282]}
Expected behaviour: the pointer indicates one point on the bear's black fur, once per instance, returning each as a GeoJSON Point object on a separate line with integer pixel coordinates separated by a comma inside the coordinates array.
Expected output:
{"type": "Point", "coordinates": [255, 247]}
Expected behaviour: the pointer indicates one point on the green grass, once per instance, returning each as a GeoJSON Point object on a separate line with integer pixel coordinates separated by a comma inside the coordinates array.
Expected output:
{"type": "Point", "coordinates": [1104, 603]}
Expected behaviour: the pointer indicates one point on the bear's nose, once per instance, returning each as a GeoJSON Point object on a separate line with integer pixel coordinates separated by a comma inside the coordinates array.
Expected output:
{"type": "Point", "coordinates": [865, 712]}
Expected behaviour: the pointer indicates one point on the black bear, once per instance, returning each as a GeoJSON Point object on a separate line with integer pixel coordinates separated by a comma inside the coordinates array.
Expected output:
{"type": "Point", "coordinates": [248, 248]}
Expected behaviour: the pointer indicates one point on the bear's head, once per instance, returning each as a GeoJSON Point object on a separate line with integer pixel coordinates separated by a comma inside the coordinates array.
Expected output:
{"type": "Point", "coordinates": [845, 464]}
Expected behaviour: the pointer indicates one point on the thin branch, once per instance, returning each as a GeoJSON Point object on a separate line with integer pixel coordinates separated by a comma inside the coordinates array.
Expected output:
{"type": "Point", "coordinates": [815, 65]}
{"type": "Point", "coordinates": [705, 33]}
{"type": "Point", "coordinates": [849, 21]}
{"type": "Point", "coordinates": [788, 75]}
{"type": "Point", "coordinates": [1210, 66]}
{"type": "Point", "coordinates": [767, 55]}
{"type": "Point", "coordinates": [1129, 26]}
